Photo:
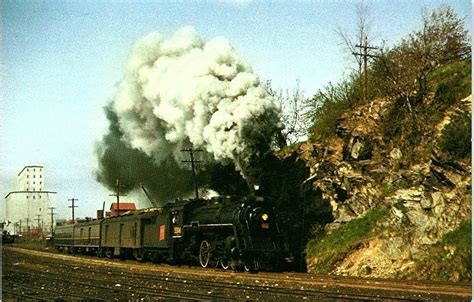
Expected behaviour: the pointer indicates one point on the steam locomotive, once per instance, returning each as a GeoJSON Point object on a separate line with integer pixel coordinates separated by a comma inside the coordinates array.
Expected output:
{"type": "Point", "coordinates": [237, 232]}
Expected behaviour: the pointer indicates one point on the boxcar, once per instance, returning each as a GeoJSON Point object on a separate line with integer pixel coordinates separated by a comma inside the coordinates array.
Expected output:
{"type": "Point", "coordinates": [64, 237]}
{"type": "Point", "coordinates": [87, 237]}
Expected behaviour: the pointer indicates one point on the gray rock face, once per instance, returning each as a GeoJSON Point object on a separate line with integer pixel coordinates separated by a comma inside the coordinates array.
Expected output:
{"type": "Point", "coordinates": [426, 195]}
{"type": "Point", "coordinates": [396, 154]}
{"type": "Point", "coordinates": [393, 247]}
{"type": "Point", "coordinates": [438, 203]}
{"type": "Point", "coordinates": [355, 151]}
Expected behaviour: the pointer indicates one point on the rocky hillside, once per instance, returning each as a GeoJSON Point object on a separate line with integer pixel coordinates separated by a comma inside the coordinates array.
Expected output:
{"type": "Point", "coordinates": [393, 202]}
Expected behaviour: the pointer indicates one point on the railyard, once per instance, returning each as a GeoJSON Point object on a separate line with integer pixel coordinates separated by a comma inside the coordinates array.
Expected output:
{"type": "Point", "coordinates": [45, 276]}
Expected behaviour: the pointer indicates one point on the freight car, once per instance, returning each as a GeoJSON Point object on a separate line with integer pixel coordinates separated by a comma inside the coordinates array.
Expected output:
{"type": "Point", "coordinates": [236, 232]}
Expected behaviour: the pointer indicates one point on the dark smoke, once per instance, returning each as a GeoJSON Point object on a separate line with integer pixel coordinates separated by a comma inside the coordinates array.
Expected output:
{"type": "Point", "coordinates": [164, 181]}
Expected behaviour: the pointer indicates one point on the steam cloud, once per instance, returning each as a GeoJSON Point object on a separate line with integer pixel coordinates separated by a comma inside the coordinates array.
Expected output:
{"type": "Point", "coordinates": [182, 92]}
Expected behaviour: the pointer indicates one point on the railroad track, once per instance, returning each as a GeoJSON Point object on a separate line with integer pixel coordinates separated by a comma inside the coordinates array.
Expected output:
{"type": "Point", "coordinates": [415, 286]}
{"type": "Point", "coordinates": [127, 291]}
{"type": "Point", "coordinates": [216, 289]}
{"type": "Point", "coordinates": [224, 284]}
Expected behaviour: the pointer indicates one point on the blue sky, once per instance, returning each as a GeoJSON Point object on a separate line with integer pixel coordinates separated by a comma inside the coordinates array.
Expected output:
{"type": "Point", "coordinates": [61, 61]}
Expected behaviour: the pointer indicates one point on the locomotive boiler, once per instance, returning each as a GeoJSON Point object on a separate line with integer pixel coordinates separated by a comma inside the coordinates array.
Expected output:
{"type": "Point", "coordinates": [237, 232]}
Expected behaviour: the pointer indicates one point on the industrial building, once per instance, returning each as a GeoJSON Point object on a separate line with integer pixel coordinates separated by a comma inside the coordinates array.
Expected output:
{"type": "Point", "coordinates": [27, 209]}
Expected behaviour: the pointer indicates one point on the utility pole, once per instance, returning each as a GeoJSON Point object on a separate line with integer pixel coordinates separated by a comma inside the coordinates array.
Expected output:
{"type": "Point", "coordinates": [192, 161]}
{"type": "Point", "coordinates": [366, 49]}
{"type": "Point", "coordinates": [52, 220]}
{"type": "Point", "coordinates": [118, 196]}
{"type": "Point", "coordinates": [39, 225]}
{"type": "Point", "coordinates": [38, 219]}
{"type": "Point", "coordinates": [27, 226]}
{"type": "Point", "coordinates": [72, 207]}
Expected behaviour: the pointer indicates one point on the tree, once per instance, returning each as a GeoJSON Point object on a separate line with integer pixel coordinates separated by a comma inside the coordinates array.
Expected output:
{"type": "Point", "coordinates": [325, 108]}
{"type": "Point", "coordinates": [292, 112]}
{"type": "Point", "coordinates": [363, 28]}
{"type": "Point", "coordinates": [403, 71]}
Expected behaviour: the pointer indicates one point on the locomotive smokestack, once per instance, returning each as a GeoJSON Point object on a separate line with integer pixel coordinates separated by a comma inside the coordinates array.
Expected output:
{"type": "Point", "coordinates": [178, 92]}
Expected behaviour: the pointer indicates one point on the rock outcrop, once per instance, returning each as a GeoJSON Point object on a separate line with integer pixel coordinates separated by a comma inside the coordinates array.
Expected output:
{"type": "Point", "coordinates": [359, 170]}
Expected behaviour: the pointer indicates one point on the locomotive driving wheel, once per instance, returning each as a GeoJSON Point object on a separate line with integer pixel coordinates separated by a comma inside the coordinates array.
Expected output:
{"type": "Point", "coordinates": [109, 253]}
{"type": "Point", "coordinates": [225, 263]}
{"type": "Point", "coordinates": [204, 253]}
{"type": "Point", "coordinates": [139, 255]}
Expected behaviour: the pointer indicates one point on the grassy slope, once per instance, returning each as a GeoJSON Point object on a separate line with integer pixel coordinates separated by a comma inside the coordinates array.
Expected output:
{"type": "Point", "coordinates": [448, 260]}
{"type": "Point", "coordinates": [332, 248]}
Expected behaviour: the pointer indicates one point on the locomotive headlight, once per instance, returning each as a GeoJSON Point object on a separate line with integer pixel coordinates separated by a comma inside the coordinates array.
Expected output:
{"type": "Point", "coordinates": [264, 216]}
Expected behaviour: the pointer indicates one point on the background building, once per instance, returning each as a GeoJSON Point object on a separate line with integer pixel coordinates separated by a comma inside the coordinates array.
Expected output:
{"type": "Point", "coordinates": [27, 208]}
{"type": "Point", "coordinates": [124, 207]}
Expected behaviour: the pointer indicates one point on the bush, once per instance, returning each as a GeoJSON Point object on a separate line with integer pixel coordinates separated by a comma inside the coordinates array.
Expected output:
{"type": "Point", "coordinates": [326, 107]}
{"type": "Point", "coordinates": [445, 94]}
{"type": "Point", "coordinates": [456, 136]}
{"type": "Point", "coordinates": [454, 82]}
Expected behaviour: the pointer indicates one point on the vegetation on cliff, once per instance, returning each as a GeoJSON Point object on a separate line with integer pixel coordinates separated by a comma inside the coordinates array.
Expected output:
{"type": "Point", "coordinates": [394, 166]}
{"type": "Point", "coordinates": [447, 260]}
{"type": "Point", "coordinates": [332, 248]}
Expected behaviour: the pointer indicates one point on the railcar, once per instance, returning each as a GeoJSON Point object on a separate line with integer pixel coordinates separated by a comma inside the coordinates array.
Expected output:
{"type": "Point", "coordinates": [241, 233]}
{"type": "Point", "coordinates": [64, 237]}
{"type": "Point", "coordinates": [7, 238]}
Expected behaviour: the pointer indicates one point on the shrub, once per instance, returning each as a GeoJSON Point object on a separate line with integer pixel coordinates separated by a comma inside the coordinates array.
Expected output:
{"type": "Point", "coordinates": [456, 136]}
{"type": "Point", "coordinates": [445, 93]}
{"type": "Point", "coordinates": [454, 82]}
{"type": "Point", "coordinates": [387, 189]}
{"type": "Point", "coordinates": [326, 107]}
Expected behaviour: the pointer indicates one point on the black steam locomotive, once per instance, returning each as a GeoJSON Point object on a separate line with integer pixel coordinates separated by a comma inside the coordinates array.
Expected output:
{"type": "Point", "coordinates": [237, 232]}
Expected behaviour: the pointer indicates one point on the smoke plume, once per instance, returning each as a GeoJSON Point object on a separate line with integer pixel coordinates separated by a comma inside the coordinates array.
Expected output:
{"type": "Point", "coordinates": [183, 92]}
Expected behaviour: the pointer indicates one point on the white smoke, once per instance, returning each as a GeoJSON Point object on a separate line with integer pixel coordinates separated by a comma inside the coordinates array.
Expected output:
{"type": "Point", "coordinates": [183, 91]}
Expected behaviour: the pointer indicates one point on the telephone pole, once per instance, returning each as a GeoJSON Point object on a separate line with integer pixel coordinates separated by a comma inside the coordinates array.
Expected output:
{"type": "Point", "coordinates": [193, 161]}
{"type": "Point", "coordinates": [52, 220]}
{"type": "Point", "coordinates": [38, 219]}
{"type": "Point", "coordinates": [366, 54]}
{"type": "Point", "coordinates": [118, 196]}
{"type": "Point", "coordinates": [40, 229]}
{"type": "Point", "coordinates": [72, 206]}
{"type": "Point", "coordinates": [27, 227]}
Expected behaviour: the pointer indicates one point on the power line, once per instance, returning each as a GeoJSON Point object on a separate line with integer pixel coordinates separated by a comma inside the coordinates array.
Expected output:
{"type": "Point", "coordinates": [193, 161]}
{"type": "Point", "coordinates": [72, 207]}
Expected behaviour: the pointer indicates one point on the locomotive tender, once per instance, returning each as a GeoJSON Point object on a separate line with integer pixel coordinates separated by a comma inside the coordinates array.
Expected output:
{"type": "Point", "coordinates": [236, 232]}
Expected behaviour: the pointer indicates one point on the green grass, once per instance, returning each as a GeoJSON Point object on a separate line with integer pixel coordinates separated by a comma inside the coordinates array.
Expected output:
{"type": "Point", "coordinates": [450, 83]}
{"type": "Point", "coordinates": [459, 71]}
{"type": "Point", "coordinates": [448, 260]}
{"type": "Point", "coordinates": [387, 189]}
{"type": "Point", "coordinates": [332, 248]}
